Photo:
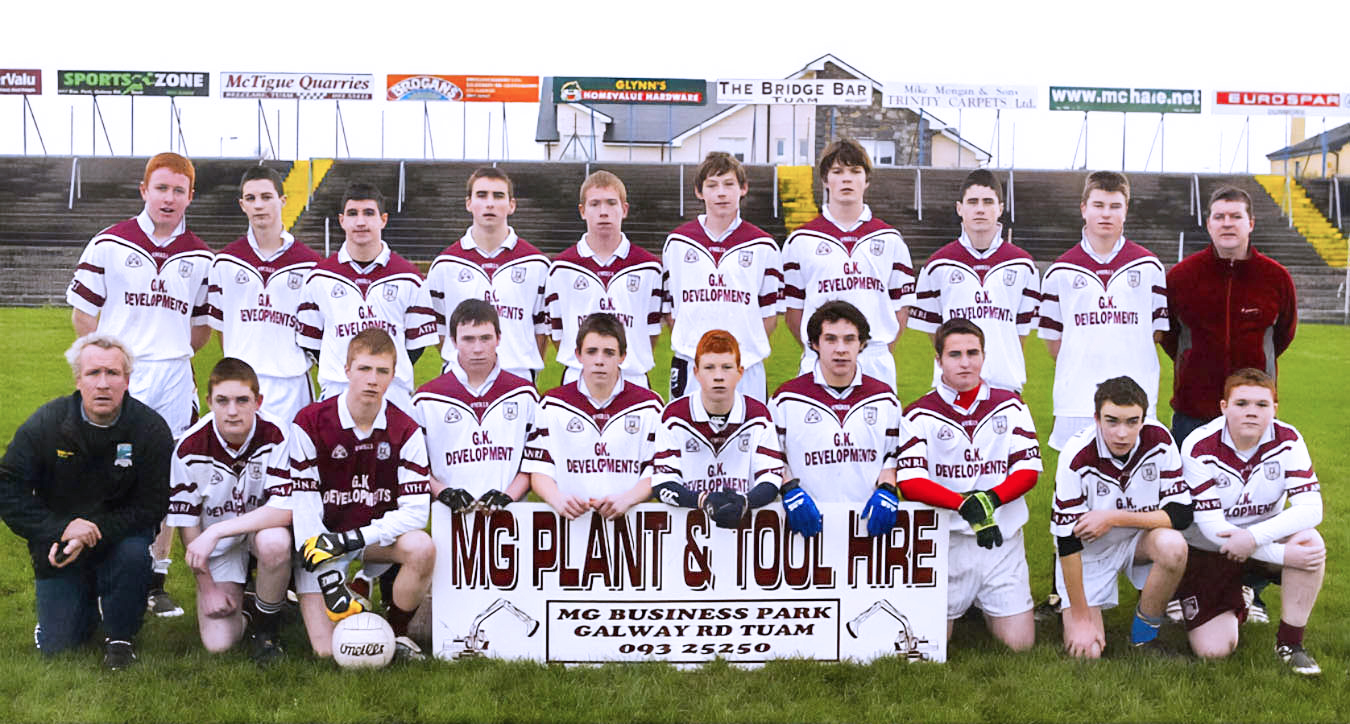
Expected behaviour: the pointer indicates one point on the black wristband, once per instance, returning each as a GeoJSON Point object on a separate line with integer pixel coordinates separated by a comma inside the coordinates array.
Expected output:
{"type": "Point", "coordinates": [1068, 545]}
{"type": "Point", "coordinates": [1180, 514]}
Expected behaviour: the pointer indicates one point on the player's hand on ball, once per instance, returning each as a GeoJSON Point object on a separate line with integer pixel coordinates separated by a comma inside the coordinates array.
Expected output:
{"type": "Point", "coordinates": [494, 500]}
{"type": "Point", "coordinates": [802, 515]}
{"type": "Point", "coordinates": [979, 506]}
{"type": "Point", "coordinates": [726, 507]}
{"type": "Point", "coordinates": [327, 546]}
{"type": "Point", "coordinates": [456, 499]}
{"type": "Point", "coordinates": [880, 509]}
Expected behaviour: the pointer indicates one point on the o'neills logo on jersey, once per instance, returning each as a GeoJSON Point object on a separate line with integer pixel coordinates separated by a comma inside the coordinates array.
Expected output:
{"type": "Point", "coordinates": [575, 425]}
{"type": "Point", "coordinates": [690, 256]}
{"type": "Point", "coordinates": [580, 283]}
{"type": "Point", "coordinates": [823, 248]}
{"type": "Point", "coordinates": [691, 445]}
{"type": "Point", "coordinates": [957, 277]}
{"type": "Point", "coordinates": [339, 452]}
{"type": "Point", "coordinates": [1102, 490]}
{"type": "Point", "coordinates": [241, 277]}
{"type": "Point", "coordinates": [134, 261]}
{"type": "Point", "coordinates": [339, 291]}
{"type": "Point", "coordinates": [812, 416]}
{"type": "Point", "coordinates": [1079, 281]}
{"type": "Point", "coordinates": [465, 275]}
{"type": "Point", "coordinates": [945, 434]}
{"type": "Point", "coordinates": [452, 415]}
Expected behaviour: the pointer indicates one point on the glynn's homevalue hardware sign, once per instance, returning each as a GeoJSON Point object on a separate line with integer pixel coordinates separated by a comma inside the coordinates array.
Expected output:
{"type": "Point", "coordinates": [665, 583]}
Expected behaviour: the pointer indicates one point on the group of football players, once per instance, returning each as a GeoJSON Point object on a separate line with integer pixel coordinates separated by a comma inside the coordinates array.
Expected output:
{"type": "Point", "coordinates": [1193, 520]}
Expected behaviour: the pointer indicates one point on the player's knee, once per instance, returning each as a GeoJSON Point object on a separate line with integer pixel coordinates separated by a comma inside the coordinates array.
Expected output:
{"type": "Point", "coordinates": [217, 645]}
{"type": "Point", "coordinates": [274, 548]}
{"type": "Point", "coordinates": [1170, 549]}
{"type": "Point", "coordinates": [418, 550]}
{"type": "Point", "coordinates": [1214, 644]}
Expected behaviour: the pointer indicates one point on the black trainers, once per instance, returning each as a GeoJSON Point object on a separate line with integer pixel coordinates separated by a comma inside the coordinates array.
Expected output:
{"type": "Point", "coordinates": [1298, 660]}
{"type": "Point", "coordinates": [161, 604]}
{"type": "Point", "coordinates": [118, 655]}
{"type": "Point", "coordinates": [405, 649]}
{"type": "Point", "coordinates": [1047, 610]}
{"type": "Point", "coordinates": [264, 649]}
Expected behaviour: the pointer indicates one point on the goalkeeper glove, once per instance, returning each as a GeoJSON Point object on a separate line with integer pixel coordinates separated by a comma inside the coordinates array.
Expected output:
{"type": "Point", "coordinates": [881, 508]}
{"type": "Point", "coordinates": [802, 514]}
{"type": "Point", "coordinates": [978, 510]}
{"type": "Point", "coordinates": [494, 500]}
{"type": "Point", "coordinates": [327, 546]}
{"type": "Point", "coordinates": [456, 499]}
{"type": "Point", "coordinates": [726, 507]}
{"type": "Point", "coordinates": [338, 601]}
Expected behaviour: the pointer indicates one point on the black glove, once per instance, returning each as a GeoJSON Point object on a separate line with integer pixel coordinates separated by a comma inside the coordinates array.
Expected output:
{"type": "Point", "coordinates": [726, 507]}
{"type": "Point", "coordinates": [978, 510]}
{"type": "Point", "coordinates": [494, 500]}
{"type": "Point", "coordinates": [327, 546]}
{"type": "Point", "coordinates": [456, 499]}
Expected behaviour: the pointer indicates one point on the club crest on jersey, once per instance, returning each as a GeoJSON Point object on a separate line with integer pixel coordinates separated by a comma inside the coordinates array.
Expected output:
{"type": "Point", "coordinates": [465, 275]}
{"type": "Point", "coordinates": [957, 277]}
{"type": "Point", "coordinates": [1000, 424]}
{"type": "Point", "coordinates": [580, 284]}
{"type": "Point", "coordinates": [1079, 281]}
{"type": "Point", "coordinates": [390, 292]}
{"type": "Point", "coordinates": [510, 410]}
{"type": "Point", "coordinates": [631, 424]}
{"type": "Point", "coordinates": [870, 415]}
{"type": "Point", "coordinates": [518, 275]}
{"type": "Point", "coordinates": [823, 248]}
{"type": "Point", "coordinates": [575, 425]}
{"type": "Point", "coordinates": [743, 442]}
{"type": "Point", "coordinates": [1190, 607]}
{"type": "Point", "coordinates": [945, 434]}
{"type": "Point", "coordinates": [185, 269]}
{"type": "Point", "coordinates": [293, 280]}
{"type": "Point", "coordinates": [255, 470]}
{"type": "Point", "coordinates": [745, 258]}
{"type": "Point", "coordinates": [241, 277]}
{"type": "Point", "coordinates": [452, 415]}
{"type": "Point", "coordinates": [1132, 278]}
{"type": "Point", "coordinates": [339, 291]}
{"type": "Point", "coordinates": [1009, 277]}
{"type": "Point", "coordinates": [812, 416]}
{"type": "Point", "coordinates": [133, 261]}
{"type": "Point", "coordinates": [691, 445]}
{"type": "Point", "coordinates": [123, 455]}
{"type": "Point", "coordinates": [339, 453]}
{"type": "Point", "coordinates": [690, 256]}
{"type": "Point", "coordinates": [1149, 472]}
{"type": "Point", "coordinates": [877, 247]}
{"type": "Point", "coordinates": [633, 282]}
{"type": "Point", "coordinates": [1272, 469]}
{"type": "Point", "coordinates": [383, 451]}
{"type": "Point", "coordinates": [1102, 490]}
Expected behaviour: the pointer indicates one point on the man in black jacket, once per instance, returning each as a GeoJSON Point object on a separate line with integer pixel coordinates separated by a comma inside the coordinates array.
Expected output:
{"type": "Point", "coordinates": [85, 482]}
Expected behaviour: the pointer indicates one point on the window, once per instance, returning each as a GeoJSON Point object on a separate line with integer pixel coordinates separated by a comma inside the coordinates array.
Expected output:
{"type": "Point", "coordinates": [737, 146]}
{"type": "Point", "coordinates": [882, 153]}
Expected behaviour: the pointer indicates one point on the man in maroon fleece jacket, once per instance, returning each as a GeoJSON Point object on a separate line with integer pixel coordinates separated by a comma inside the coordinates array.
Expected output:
{"type": "Point", "coordinates": [1231, 307]}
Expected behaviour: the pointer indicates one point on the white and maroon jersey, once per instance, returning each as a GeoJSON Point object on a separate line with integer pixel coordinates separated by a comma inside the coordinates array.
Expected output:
{"type": "Point", "coordinates": [1247, 491]}
{"type": "Point", "coordinates": [511, 280]}
{"type": "Point", "coordinates": [693, 452]}
{"type": "Point", "coordinates": [997, 289]}
{"type": "Point", "coordinates": [837, 443]}
{"type": "Point", "coordinates": [1104, 311]}
{"type": "Point", "coordinates": [733, 283]}
{"type": "Point", "coordinates": [147, 295]}
{"type": "Point", "coordinates": [255, 303]}
{"type": "Point", "coordinates": [340, 301]}
{"type": "Point", "coordinates": [476, 438]}
{"type": "Point", "coordinates": [629, 287]}
{"type": "Point", "coordinates": [593, 452]}
{"type": "Point", "coordinates": [210, 482]}
{"type": "Point", "coordinates": [1090, 477]}
{"type": "Point", "coordinates": [342, 481]}
{"type": "Point", "coordinates": [866, 265]}
{"type": "Point", "coordinates": [973, 449]}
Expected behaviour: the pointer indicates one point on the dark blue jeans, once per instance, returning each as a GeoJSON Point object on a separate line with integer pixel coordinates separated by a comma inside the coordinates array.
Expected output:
{"type": "Point", "coordinates": [115, 573]}
{"type": "Point", "coordinates": [1183, 425]}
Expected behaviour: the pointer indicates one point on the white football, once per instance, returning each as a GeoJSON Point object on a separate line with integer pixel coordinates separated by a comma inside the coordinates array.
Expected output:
{"type": "Point", "coordinates": [363, 641]}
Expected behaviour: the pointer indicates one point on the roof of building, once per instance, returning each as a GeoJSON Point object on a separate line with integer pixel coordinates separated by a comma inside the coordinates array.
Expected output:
{"type": "Point", "coordinates": [1336, 139]}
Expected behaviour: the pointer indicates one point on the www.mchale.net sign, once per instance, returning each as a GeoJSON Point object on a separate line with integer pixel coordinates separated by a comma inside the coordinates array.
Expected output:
{"type": "Point", "coordinates": [665, 583]}
{"type": "Point", "coordinates": [1124, 100]}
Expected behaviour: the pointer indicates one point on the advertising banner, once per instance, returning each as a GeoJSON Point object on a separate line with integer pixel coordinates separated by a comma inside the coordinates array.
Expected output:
{"type": "Point", "coordinates": [133, 83]}
{"type": "Point", "coordinates": [1250, 103]}
{"type": "Point", "coordinates": [665, 583]}
{"type": "Point", "coordinates": [771, 91]}
{"type": "Point", "coordinates": [676, 91]}
{"type": "Point", "coordinates": [949, 95]}
{"type": "Point", "coordinates": [483, 88]}
{"type": "Point", "coordinates": [304, 86]}
{"type": "Point", "coordinates": [1124, 100]}
{"type": "Point", "coordinates": [20, 82]}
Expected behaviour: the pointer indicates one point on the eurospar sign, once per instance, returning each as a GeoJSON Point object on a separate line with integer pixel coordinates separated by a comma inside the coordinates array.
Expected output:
{"type": "Point", "coordinates": [1253, 103]}
{"type": "Point", "coordinates": [665, 583]}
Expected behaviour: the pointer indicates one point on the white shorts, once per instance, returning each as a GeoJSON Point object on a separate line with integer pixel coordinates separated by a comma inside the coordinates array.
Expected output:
{"type": "Point", "coordinates": [572, 374]}
{"type": "Point", "coordinates": [876, 361]}
{"type": "Point", "coordinates": [1101, 573]}
{"type": "Point", "coordinates": [395, 395]}
{"type": "Point", "coordinates": [167, 386]}
{"type": "Point", "coordinates": [752, 384]}
{"type": "Point", "coordinates": [308, 581]}
{"type": "Point", "coordinates": [1067, 427]}
{"type": "Point", "coordinates": [285, 396]}
{"type": "Point", "coordinates": [231, 565]}
{"type": "Point", "coordinates": [995, 579]}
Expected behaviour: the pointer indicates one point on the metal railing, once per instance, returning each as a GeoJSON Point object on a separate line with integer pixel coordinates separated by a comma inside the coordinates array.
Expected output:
{"type": "Point", "coordinates": [75, 190]}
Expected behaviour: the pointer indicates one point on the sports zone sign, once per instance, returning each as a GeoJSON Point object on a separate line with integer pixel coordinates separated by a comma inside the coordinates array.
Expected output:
{"type": "Point", "coordinates": [665, 583]}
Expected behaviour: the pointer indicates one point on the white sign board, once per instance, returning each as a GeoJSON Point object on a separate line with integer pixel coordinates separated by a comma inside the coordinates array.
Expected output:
{"type": "Point", "coordinates": [949, 95]}
{"type": "Point", "coordinates": [1249, 103]}
{"type": "Point", "coordinates": [665, 583]}
{"type": "Point", "coordinates": [305, 86]}
{"type": "Point", "coordinates": [780, 91]}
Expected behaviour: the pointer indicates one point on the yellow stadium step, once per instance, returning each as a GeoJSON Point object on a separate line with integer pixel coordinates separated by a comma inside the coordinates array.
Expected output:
{"type": "Point", "coordinates": [796, 195]}
{"type": "Point", "coordinates": [299, 186]}
{"type": "Point", "coordinates": [1308, 219]}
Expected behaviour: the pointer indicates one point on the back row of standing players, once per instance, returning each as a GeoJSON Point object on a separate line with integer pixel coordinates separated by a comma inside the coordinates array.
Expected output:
{"type": "Point", "coordinates": [1100, 308]}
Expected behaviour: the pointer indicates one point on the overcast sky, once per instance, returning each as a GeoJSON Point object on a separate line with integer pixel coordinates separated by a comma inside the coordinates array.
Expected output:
{"type": "Point", "coordinates": [1266, 46]}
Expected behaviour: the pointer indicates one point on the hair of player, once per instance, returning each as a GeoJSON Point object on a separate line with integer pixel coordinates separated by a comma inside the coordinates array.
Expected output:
{"type": "Point", "coordinates": [174, 162]}
{"type": "Point", "coordinates": [372, 341]}
{"type": "Point", "coordinates": [256, 173]}
{"type": "Point", "coordinates": [1122, 391]}
{"type": "Point", "coordinates": [604, 180]}
{"type": "Point", "coordinates": [1230, 193]}
{"type": "Point", "coordinates": [833, 311]}
{"type": "Point", "coordinates": [474, 311]}
{"type": "Point", "coordinates": [1250, 377]}
{"type": "Point", "coordinates": [491, 172]}
{"type": "Point", "coordinates": [605, 325]}
{"type": "Point", "coordinates": [956, 325]}
{"type": "Point", "coordinates": [362, 191]}
{"type": "Point", "coordinates": [846, 152]}
{"type": "Point", "coordinates": [716, 164]}
{"type": "Point", "coordinates": [1107, 181]}
{"type": "Point", "coordinates": [717, 341]}
{"type": "Point", "coordinates": [982, 177]}
{"type": "Point", "coordinates": [102, 340]}
{"type": "Point", "coordinates": [233, 369]}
